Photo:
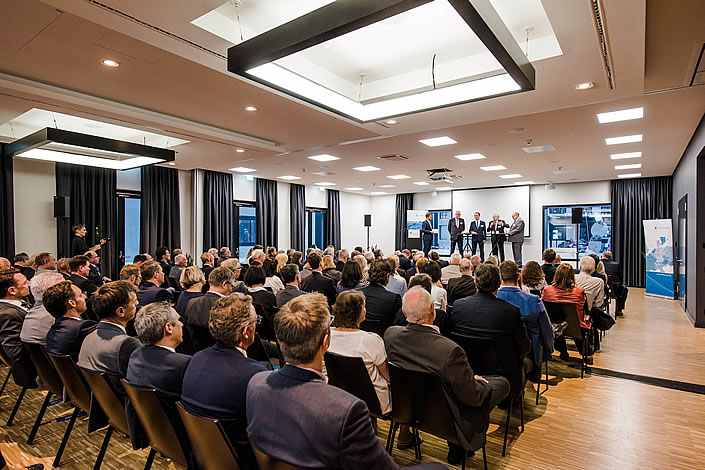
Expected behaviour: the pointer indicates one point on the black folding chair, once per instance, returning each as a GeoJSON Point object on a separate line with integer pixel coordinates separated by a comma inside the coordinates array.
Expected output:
{"type": "Point", "coordinates": [5, 360]}
{"type": "Point", "coordinates": [568, 312]}
{"type": "Point", "coordinates": [374, 326]}
{"type": "Point", "coordinates": [265, 462]}
{"type": "Point", "coordinates": [211, 447]}
{"type": "Point", "coordinates": [50, 381]}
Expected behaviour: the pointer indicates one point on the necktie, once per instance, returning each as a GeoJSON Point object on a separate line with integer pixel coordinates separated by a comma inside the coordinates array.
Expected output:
{"type": "Point", "coordinates": [457, 225]}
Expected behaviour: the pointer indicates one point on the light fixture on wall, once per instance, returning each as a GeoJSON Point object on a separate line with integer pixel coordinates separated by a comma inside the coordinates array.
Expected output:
{"type": "Point", "coordinates": [56, 145]}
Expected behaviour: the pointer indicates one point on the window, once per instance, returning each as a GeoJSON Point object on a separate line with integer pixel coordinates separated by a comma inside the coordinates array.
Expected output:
{"type": "Point", "coordinates": [246, 222]}
{"type": "Point", "coordinates": [441, 240]}
{"type": "Point", "coordinates": [315, 227]}
{"type": "Point", "coordinates": [129, 223]}
{"type": "Point", "coordinates": [573, 241]}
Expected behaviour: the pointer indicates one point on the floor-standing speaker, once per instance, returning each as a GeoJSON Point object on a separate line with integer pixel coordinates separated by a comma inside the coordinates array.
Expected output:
{"type": "Point", "coordinates": [368, 220]}
{"type": "Point", "coordinates": [61, 206]}
{"type": "Point", "coordinates": [577, 215]}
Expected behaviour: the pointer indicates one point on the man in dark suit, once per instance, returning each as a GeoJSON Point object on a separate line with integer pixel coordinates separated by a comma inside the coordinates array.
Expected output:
{"type": "Point", "coordinates": [215, 383]}
{"type": "Point", "coordinates": [163, 256]}
{"type": "Point", "coordinates": [66, 302]}
{"type": "Point", "coordinates": [14, 287]}
{"type": "Point", "coordinates": [94, 274]}
{"type": "Point", "coordinates": [427, 234]}
{"type": "Point", "coordinates": [343, 256]}
{"type": "Point", "coordinates": [516, 237]}
{"type": "Point", "coordinates": [484, 314]}
{"type": "Point", "coordinates": [404, 260]}
{"type": "Point", "coordinates": [419, 346]}
{"type": "Point", "coordinates": [337, 431]}
{"type": "Point", "coordinates": [463, 286]}
{"type": "Point", "coordinates": [290, 276]}
{"type": "Point", "coordinates": [479, 235]}
{"type": "Point", "coordinates": [208, 265]}
{"type": "Point", "coordinates": [614, 274]}
{"type": "Point", "coordinates": [80, 268]}
{"type": "Point", "coordinates": [150, 290]}
{"type": "Point", "coordinates": [381, 305]}
{"type": "Point", "coordinates": [456, 227]}
{"type": "Point", "coordinates": [496, 229]}
{"type": "Point", "coordinates": [197, 311]}
{"type": "Point", "coordinates": [548, 268]}
{"type": "Point", "coordinates": [317, 282]}
{"type": "Point", "coordinates": [412, 271]}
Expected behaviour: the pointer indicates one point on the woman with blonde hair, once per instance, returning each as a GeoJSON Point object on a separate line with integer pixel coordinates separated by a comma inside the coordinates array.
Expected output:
{"type": "Point", "coordinates": [192, 280]}
{"type": "Point", "coordinates": [362, 261]}
{"type": "Point", "coordinates": [329, 269]}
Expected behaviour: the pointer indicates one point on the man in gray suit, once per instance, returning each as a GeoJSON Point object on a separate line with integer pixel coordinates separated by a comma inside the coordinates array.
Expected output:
{"type": "Point", "coordinates": [516, 236]}
{"type": "Point", "coordinates": [290, 276]}
{"type": "Point", "coordinates": [419, 346]}
{"type": "Point", "coordinates": [38, 321]}
{"type": "Point", "coordinates": [335, 433]}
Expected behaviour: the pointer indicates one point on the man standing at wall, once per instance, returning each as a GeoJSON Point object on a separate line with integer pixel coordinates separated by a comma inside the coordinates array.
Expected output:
{"type": "Point", "coordinates": [456, 227]}
{"type": "Point", "coordinates": [516, 237]}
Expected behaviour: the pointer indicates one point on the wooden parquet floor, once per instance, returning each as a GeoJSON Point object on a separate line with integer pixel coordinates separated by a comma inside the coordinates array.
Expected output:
{"type": "Point", "coordinates": [598, 422]}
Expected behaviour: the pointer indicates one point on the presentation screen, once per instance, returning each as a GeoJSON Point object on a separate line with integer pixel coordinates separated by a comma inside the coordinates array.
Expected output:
{"type": "Point", "coordinates": [502, 201]}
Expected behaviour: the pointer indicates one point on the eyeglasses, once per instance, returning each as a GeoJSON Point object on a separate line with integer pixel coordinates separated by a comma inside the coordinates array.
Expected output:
{"type": "Point", "coordinates": [332, 318]}
{"type": "Point", "coordinates": [256, 321]}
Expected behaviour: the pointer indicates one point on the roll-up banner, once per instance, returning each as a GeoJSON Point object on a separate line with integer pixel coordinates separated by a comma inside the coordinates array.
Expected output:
{"type": "Point", "coordinates": [658, 244]}
{"type": "Point", "coordinates": [414, 219]}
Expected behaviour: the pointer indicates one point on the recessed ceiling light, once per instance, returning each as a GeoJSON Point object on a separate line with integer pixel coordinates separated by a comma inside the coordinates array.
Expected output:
{"type": "Point", "coordinates": [438, 141]}
{"type": "Point", "coordinates": [632, 166]}
{"type": "Point", "coordinates": [171, 163]}
{"type": "Point", "coordinates": [524, 182]}
{"type": "Point", "coordinates": [584, 86]}
{"type": "Point", "coordinates": [377, 193]}
{"type": "Point", "coordinates": [493, 168]}
{"type": "Point", "coordinates": [627, 139]}
{"type": "Point", "coordinates": [621, 156]}
{"type": "Point", "coordinates": [240, 150]}
{"type": "Point", "coordinates": [445, 188]}
{"type": "Point", "coordinates": [510, 176]}
{"type": "Point", "coordinates": [398, 177]}
{"type": "Point", "coordinates": [323, 158]}
{"type": "Point", "coordinates": [110, 63]}
{"type": "Point", "coordinates": [355, 188]}
{"type": "Point", "coordinates": [623, 115]}
{"type": "Point", "coordinates": [630, 175]}
{"type": "Point", "coordinates": [385, 186]}
{"type": "Point", "coordinates": [470, 156]}
{"type": "Point", "coordinates": [366, 168]}
{"type": "Point", "coordinates": [325, 183]}
{"type": "Point", "coordinates": [391, 122]}
{"type": "Point", "coordinates": [250, 108]}
{"type": "Point", "coordinates": [289, 177]}
{"type": "Point", "coordinates": [539, 149]}
{"type": "Point", "coordinates": [421, 183]}
{"type": "Point", "coordinates": [242, 169]}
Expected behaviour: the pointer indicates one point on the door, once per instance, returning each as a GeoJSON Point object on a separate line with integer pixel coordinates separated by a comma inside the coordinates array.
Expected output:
{"type": "Point", "coordinates": [129, 225]}
{"type": "Point", "coordinates": [681, 251]}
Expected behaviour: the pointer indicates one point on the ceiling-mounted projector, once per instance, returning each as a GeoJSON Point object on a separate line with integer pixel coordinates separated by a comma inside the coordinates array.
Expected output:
{"type": "Point", "coordinates": [442, 175]}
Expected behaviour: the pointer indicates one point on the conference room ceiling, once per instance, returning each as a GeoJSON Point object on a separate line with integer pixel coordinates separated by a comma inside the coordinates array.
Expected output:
{"type": "Point", "coordinates": [172, 80]}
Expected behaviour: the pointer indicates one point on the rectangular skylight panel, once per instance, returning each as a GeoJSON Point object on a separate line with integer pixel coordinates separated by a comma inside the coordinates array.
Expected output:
{"type": "Point", "coordinates": [510, 176]}
{"type": "Point", "coordinates": [324, 158]}
{"type": "Point", "coordinates": [398, 177]}
{"type": "Point", "coordinates": [622, 156]}
{"type": "Point", "coordinates": [493, 168]}
{"type": "Point", "coordinates": [633, 166]}
{"type": "Point", "coordinates": [623, 115]}
{"type": "Point", "coordinates": [242, 169]}
{"type": "Point", "coordinates": [366, 168]}
{"type": "Point", "coordinates": [630, 175]}
{"type": "Point", "coordinates": [470, 156]}
{"type": "Point", "coordinates": [625, 139]}
{"type": "Point", "coordinates": [438, 141]}
{"type": "Point", "coordinates": [289, 177]}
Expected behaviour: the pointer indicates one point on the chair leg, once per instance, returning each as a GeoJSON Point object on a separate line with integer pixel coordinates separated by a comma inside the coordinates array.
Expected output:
{"type": "Point", "coordinates": [103, 448]}
{"type": "Point", "coordinates": [465, 458]}
{"type": "Point", "coordinates": [17, 406]}
{"type": "Point", "coordinates": [506, 427]}
{"type": "Point", "coordinates": [484, 457]}
{"type": "Point", "coordinates": [150, 459]}
{"type": "Point", "coordinates": [522, 411]}
{"type": "Point", "coordinates": [7, 378]}
{"type": "Point", "coordinates": [38, 421]}
{"type": "Point", "coordinates": [65, 440]}
{"type": "Point", "coordinates": [417, 444]}
{"type": "Point", "coordinates": [394, 433]}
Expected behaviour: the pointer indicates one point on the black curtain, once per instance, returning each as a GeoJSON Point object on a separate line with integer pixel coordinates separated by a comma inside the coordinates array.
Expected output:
{"type": "Point", "coordinates": [333, 219]}
{"type": "Point", "coordinates": [92, 201]}
{"type": "Point", "coordinates": [7, 209]}
{"type": "Point", "coordinates": [297, 205]}
{"type": "Point", "coordinates": [267, 214]}
{"type": "Point", "coordinates": [160, 209]}
{"type": "Point", "coordinates": [218, 223]}
{"type": "Point", "coordinates": [405, 202]}
{"type": "Point", "coordinates": [633, 201]}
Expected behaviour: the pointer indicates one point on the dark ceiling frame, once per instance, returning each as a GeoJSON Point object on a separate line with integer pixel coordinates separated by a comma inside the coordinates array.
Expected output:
{"type": "Point", "coordinates": [344, 16]}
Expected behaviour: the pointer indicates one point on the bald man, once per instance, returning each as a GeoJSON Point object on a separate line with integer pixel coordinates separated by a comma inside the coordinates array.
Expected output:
{"type": "Point", "coordinates": [5, 263]}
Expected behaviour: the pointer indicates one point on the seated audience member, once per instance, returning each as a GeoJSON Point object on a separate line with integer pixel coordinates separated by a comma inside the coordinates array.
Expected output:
{"type": "Point", "coordinates": [434, 256]}
{"type": "Point", "coordinates": [533, 278]}
{"type": "Point", "coordinates": [62, 266]}
{"type": "Point", "coordinates": [599, 269]}
{"type": "Point", "coordinates": [290, 276]}
{"type": "Point", "coordinates": [396, 283]}
{"type": "Point", "coordinates": [613, 270]}
{"type": "Point", "coordinates": [255, 279]}
{"type": "Point", "coordinates": [594, 287]}
{"type": "Point", "coordinates": [404, 260]}
{"type": "Point", "coordinates": [215, 383]}
{"type": "Point", "coordinates": [337, 431]}
{"type": "Point", "coordinates": [257, 258]}
{"type": "Point", "coordinates": [296, 259]}
{"type": "Point", "coordinates": [141, 258]}
{"type": "Point", "coordinates": [80, 267]}
{"type": "Point", "coordinates": [94, 273]}
{"type": "Point", "coordinates": [484, 314]}
{"type": "Point", "coordinates": [207, 261]}
{"type": "Point", "coordinates": [476, 261]}
{"type": "Point", "coordinates": [4, 264]}
{"type": "Point", "coordinates": [548, 267]}
{"type": "Point", "coordinates": [38, 320]}
{"type": "Point", "coordinates": [380, 304]}
{"type": "Point", "coordinates": [343, 256]}
{"type": "Point", "coordinates": [362, 261]}
{"type": "Point", "coordinates": [412, 270]}
{"type": "Point", "coordinates": [132, 274]}
{"type": "Point", "coordinates": [108, 348]}
{"type": "Point", "coordinates": [192, 281]}
{"type": "Point", "coordinates": [272, 281]}
{"type": "Point", "coordinates": [350, 278]}
{"type": "Point", "coordinates": [463, 286]}
{"type": "Point", "coordinates": [163, 256]}
{"type": "Point", "coordinates": [214, 253]}
{"type": "Point", "coordinates": [419, 346]}
{"type": "Point", "coordinates": [532, 311]}
{"type": "Point", "coordinates": [328, 269]}
{"type": "Point", "coordinates": [441, 320]}
{"type": "Point", "coordinates": [66, 302]}
{"type": "Point", "coordinates": [198, 309]}
{"type": "Point", "coordinates": [493, 260]}
{"type": "Point", "coordinates": [45, 262]}
{"type": "Point", "coordinates": [317, 282]}
{"type": "Point", "coordinates": [234, 265]}
{"type": "Point", "coordinates": [180, 263]}
{"type": "Point", "coordinates": [558, 261]}
{"type": "Point", "coordinates": [452, 270]}
{"type": "Point", "coordinates": [564, 289]}
{"type": "Point", "coordinates": [29, 267]}
{"type": "Point", "coordinates": [150, 290]}
{"type": "Point", "coordinates": [223, 254]}
{"type": "Point", "coordinates": [14, 286]}
{"type": "Point", "coordinates": [440, 296]}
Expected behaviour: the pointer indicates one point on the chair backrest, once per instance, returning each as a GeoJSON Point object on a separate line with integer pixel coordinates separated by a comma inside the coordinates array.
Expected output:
{"type": "Point", "coordinates": [560, 312]}
{"type": "Point", "coordinates": [160, 432]}
{"type": "Point", "coordinates": [50, 379]}
{"type": "Point", "coordinates": [265, 462]}
{"type": "Point", "coordinates": [256, 350]}
{"type": "Point", "coordinates": [480, 352]}
{"type": "Point", "coordinates": [108, 399]}
{"type": "Point", "coordinates": [350, 374]}
{"type": "Point", "coordinates": [76, 386]}
{"type": "Point", "coordinates": [374, 326]}
{"type": "Point", "coordinates": [420, 402]}
{"type": "Point", "coordinates": [266, 328]}
{"type": "Point", "coordinates": [209, 443]}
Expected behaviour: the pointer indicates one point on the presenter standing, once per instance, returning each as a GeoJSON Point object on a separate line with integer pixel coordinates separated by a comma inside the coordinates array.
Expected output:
{"type": "Point", "coordinates": [427, 234]}
{"type": "Point", "coordinates": [496, 228]}
{"type": "Point", "coordinates": [479, 235]}
{"type": "Point", "coordinates": [516, 236]}
{"type": "Point", "coordinates": [456, 227]}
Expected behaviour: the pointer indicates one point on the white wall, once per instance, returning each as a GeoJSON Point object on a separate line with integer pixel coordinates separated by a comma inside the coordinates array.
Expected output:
{"type": "Point", "coordinates": [244, 188]}
{"type": "Point", "coordinates": [315, 197]}
{"type": "Point", "coordinates": [383, 210]}
{"type": "Point", "coordinates": [34, 186]}
{"type": "Point", "coordinates": [353, 207]}
{"type": "Point", "coordinates": [429, 202]}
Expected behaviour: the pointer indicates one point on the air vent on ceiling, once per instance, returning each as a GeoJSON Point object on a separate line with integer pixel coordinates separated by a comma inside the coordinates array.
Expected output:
{"type": "Point", "coordinates": [539, 149]}
{"type": "Point", "coordinates": [598, 15]}
{"type": "Point", "coordinates": [393, 158]}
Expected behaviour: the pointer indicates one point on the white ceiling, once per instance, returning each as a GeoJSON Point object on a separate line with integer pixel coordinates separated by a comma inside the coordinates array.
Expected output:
{"type": "Point", "coordinates": [176, 85]}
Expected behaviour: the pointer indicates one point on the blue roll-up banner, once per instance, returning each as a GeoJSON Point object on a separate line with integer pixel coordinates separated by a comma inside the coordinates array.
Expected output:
{"type": "Point", "coordinates": [658, 244]}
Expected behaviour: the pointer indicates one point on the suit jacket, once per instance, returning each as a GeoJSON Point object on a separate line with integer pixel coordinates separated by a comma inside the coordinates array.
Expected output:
{"type": "Point", "coordinates": [421, 348]}
{"type": "Point", "coordinates": [516, 231]}
{"type": "Point", "coordinates": [339, 265]}
{"type": "Point", "coordinates": [460, 287]}
{"type": "Point", "coordinates": [486, 315]}
{"type": "Point", "coordinates": [441, 321]}
{"type": "Point", "coordinates": [196, 315]}
{"type": "Point", "coordinates": [456, 233]}
{"type": "Point", "coordinates": [317, 282]}
{"type": "Point", "coordinates": [426, 230]}
{"type": "Point", "coordinates": [336, 433]}
{"type": "Point", "coordinates": [11, 318]}
{"type": "Point", "coordinates": [409, 273]}
{"type": "Point", "coordinates": [594, 289]}
{"type": "Point", "coordinates": [83, 283]}
{"type": "Point", "coordinates": [404, 263]}
{"type": "Point", "coordinates": [287, 294]}
{"type": "Point", "coordinates": [480, 228]}
{"type": "Point", "coordinates": [549, 270]}
{"type": "Point", "coordinates": [613, 271]}
{"type": "Point", "coordinates": [381, 304]}
{"type": "Point", "coordinates": [95, 275]}
{"type": "Point", "coordinates": [36, 324]}
{"type": "Point", "coordinates": [497, 233]}
{"type": "Point", "coordinates": [149, 293]}
{"type": "Point", "coordinates": [166, 267]}
{"type": "Point", "coordinates": [66, 335]}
